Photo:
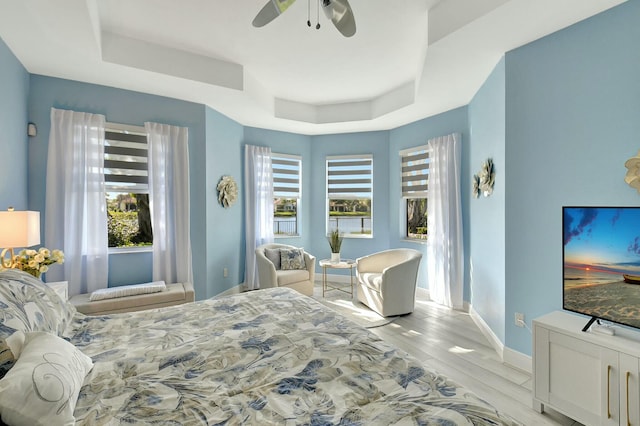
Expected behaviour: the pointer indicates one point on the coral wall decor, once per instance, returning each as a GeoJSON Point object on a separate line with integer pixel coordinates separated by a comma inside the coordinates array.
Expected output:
{"type": "Point", "coordinates": [227, 191]}
{"type": "Point", "coordinates": [476, 186]}
{"type": "Point", "coordinates": [633, 172]}
{"type": "Point", "coordinates": [483, 182]}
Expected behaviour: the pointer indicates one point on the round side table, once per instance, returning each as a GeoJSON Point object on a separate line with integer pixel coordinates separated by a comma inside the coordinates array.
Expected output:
{"type": "Point", "coordinates": [343, 264]}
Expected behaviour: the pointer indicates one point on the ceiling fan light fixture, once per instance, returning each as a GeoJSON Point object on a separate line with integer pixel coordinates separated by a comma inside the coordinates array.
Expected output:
{"type": "Point", "coordinates": [339, 12]}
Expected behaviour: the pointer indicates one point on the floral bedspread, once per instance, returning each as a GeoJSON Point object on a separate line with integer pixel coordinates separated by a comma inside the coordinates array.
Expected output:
{"type": "Point", "coordinates": [265, 357]}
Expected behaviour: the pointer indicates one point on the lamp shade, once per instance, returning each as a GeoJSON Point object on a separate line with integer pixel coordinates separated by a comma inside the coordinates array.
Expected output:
{"type": "Point", "coordinates": [19, 229]}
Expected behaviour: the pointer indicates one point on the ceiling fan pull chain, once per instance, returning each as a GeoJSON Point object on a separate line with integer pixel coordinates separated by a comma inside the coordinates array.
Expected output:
{"type": "Point", "coordinates": [309, 13]}
{"type": "Point", "coordinates": [318, 16]}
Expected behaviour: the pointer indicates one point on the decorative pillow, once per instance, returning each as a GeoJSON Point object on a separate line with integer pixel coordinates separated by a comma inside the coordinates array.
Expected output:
{"type": "Point", "coordinates": [292, 259]}
{"type": "Point", "coordinates": [43, 386]}
{"type": "Point", "coordinates": [127, 290]}
{"type": "Point", "coordinates": [28, 304]}
{"type": "Point", "coordinates": [14, 344]}
{"type": "Point", "coordinates": [7, 359]}
{"type": "Point", "coordinates": [274, 256]}
{"type": "Point", "coordinates": [9, 352]}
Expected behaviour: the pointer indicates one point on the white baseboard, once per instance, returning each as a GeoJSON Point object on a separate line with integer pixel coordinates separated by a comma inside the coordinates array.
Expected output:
{"type": "Point", "coordinates": [240, 288]}
{"type": "Point", "coordinates": [508, 356]}
{"type": "Point", "coordinates": [422, 294]}
{"type": "Point", "coordinates": [496, 343]}
{"type": "Point", "coordinates": [518, 360]}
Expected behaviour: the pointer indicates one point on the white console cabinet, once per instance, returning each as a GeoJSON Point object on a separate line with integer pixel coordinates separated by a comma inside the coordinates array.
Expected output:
{"type": "Point", "coordinates": [590, 377]}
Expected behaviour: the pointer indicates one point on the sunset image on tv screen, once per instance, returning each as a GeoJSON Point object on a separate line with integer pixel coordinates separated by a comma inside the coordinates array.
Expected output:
{"type": "Point", "coordinates": [602, 262]}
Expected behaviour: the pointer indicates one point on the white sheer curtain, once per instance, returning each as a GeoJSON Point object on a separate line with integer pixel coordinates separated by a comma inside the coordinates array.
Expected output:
{"type": "Point", "coordinates": [258, 207]}
{"type": "Point", "coordinates": [169, 202]}
{"type": "Point", "coordinates": [444, 221]}
{"type": "Point", "coordinates": [76, 211]}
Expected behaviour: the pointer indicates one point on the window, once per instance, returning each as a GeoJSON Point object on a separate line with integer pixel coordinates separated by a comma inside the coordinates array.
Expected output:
{"type": "Point", "coordinates": [415, 186]}
{"type": "Point", "coordinates": [350, 195]}
{"type": "Point", "coordinates": [287, 171]}
{"type": "Point", "coordinates": [127, 188]}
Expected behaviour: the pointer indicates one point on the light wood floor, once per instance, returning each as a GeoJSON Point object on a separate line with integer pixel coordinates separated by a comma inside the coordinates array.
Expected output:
{"type": "Point", "coordinates": [449, 342]}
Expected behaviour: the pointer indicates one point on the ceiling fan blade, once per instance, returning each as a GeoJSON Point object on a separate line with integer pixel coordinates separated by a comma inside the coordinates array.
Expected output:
{"type": "Point", "coordinates": [271, 11]}
{"type": "Point", "coordinates": [340, 13]}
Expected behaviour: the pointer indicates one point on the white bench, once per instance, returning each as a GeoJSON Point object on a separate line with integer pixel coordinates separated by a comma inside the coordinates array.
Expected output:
{"type": "Point", "coordinates": [175, 294]}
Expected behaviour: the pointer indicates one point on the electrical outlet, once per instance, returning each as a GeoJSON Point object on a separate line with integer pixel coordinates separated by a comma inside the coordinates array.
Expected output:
{"type": "Point", "coordinates": [225, 272]}
{"type": "Point", "coordinates": [519, 319]}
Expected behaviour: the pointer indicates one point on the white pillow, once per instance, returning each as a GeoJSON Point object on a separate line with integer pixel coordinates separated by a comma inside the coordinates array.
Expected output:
{"type": "Point", "coordinates": [127, 290]}
{"type": "Point", "coordinates": [42, 387]}
{"type": "Point", "coordinates": [15, 343]}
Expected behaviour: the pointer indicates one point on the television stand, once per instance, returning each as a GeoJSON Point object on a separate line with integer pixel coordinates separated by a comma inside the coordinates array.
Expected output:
{"type": "Point", "coordinates": [590, 377]}
{"type": "Point", "coordinates": [598, 327]}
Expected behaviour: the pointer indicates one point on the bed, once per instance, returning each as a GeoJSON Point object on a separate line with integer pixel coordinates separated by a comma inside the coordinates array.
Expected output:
{"type": "Point", "coordinates": [265, 357]}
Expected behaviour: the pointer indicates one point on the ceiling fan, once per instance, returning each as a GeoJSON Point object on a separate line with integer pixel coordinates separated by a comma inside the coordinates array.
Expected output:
{"type": "Point", "coordinates": [338, 11]}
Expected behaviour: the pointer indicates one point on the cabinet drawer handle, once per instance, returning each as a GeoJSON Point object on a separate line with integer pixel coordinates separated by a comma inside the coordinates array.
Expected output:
{"type": "Point", "coordinates": [608, 391]}
{"type": "Point", "coordinates": [628, 420]}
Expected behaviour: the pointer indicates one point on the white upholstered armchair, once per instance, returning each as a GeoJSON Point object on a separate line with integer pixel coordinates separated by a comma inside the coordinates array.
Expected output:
{"type": "Point", "coordinates": [386, 281]}
{"type": "Point", "coordinates": [273, 273]}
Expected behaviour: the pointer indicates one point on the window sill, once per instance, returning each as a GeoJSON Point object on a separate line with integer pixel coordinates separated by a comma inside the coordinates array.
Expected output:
{"type": "Point", "coordinates": [357, 236]}
{"type": "Point", "coordinates": [278, 237]}
{"type": "Point", "coordinates": [415, 241]}
{"type": "Point", "coordinates": [126, 250]}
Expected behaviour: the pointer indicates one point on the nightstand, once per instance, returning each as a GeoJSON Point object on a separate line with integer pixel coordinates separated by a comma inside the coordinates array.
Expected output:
{"type": "Point", "coordinates": [60, 287]}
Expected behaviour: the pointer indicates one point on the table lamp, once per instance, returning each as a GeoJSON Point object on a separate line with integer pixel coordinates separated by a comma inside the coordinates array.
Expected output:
{"type": "Point", "coordinates": [17, 229]}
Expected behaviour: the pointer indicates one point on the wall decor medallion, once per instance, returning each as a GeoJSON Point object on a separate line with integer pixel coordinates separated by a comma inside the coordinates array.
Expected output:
{"type": "Point", "coordinates": [476, 186]}
{"type": "Point", "coordinates": [633, 172]}
{"type": "Point", "coordinates": [227, 191]}
{"type": "Point", "coordinates": [483, 182]}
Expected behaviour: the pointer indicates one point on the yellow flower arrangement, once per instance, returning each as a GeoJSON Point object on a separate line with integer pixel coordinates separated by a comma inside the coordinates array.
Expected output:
{"type": "Point", "coordinates": [37, 262]}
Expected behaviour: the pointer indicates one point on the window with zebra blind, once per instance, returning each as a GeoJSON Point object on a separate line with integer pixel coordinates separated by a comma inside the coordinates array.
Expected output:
{"type": "Point", "coordinates": [287, 191]}
{"type": "Point", "coordinates": [350, 195]}
{"type": "Point", "coordinates": [415, 187]}
{"type": "Point", "coordinates": [127, 186]}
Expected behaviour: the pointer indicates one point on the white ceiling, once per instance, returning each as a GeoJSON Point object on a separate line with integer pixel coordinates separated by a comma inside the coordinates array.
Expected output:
{"type": "Point", "coordinates": [409, 59]}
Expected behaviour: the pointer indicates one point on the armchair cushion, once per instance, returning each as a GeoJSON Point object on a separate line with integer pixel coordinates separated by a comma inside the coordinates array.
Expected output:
{"type": "Point", "coordinates": [292, 276]}
{"type": "Point", "coordinates": [292, 259]}
{"type": "Point", "coordinates": [273, 254]}
{"type": "Point", "coordinates": [372, 280]}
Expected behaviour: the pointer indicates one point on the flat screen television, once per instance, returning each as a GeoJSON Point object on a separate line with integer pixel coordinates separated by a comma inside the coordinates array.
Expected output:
{"type": "Point", "coordinates": [601, 263]}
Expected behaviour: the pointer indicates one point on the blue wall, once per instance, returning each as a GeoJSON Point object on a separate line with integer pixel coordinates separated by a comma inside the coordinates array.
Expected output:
{"type": "Point", "coordinates": [122, 106]}
{"type": "Point", "coordinates": [374, 143]}
{"type": "Point", "coordinates": [417, 134]}
{"type": "Point", "coordinates": [559, 116]}
{"type": "Point", "coordinates": [14, 142]}
{"type": "Point", "coordinates": [486, 231]}
{"type": "Point", "coordinates": [215, 149]}
{"type": "Point", "coordinates": [292, 144]}
{"type": "Point", "coordinates": [572, 120]}
{"type": "Point", "coordinates": [224, 226]}
{"type": "Point", "coordinates": [388, 230]}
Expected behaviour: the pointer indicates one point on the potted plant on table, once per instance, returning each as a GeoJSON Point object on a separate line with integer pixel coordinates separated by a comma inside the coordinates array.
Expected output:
{"type": "Point", "coordinates": [335, 242]}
